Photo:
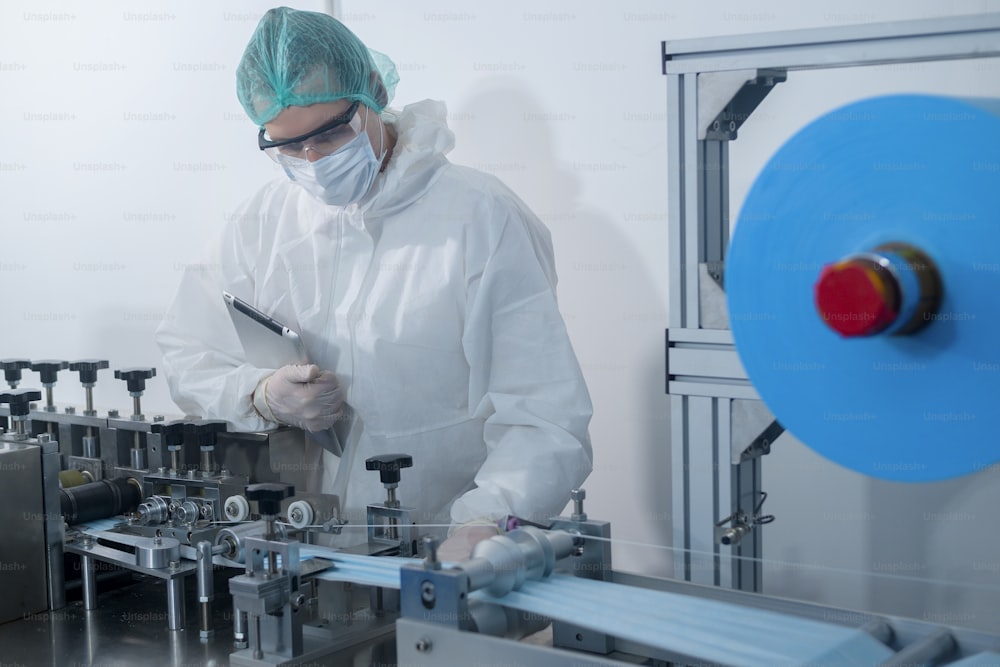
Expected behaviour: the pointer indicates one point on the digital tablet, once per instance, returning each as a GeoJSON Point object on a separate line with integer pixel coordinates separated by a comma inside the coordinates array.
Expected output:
{"type": "Point", "coordinates": [267, 342]}
{"type": "Point", "coordinates": [270, 344]}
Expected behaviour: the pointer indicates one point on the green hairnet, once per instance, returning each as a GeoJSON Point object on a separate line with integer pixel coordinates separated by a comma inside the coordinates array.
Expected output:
{"type": "Point", "coordinates": [298, 58]}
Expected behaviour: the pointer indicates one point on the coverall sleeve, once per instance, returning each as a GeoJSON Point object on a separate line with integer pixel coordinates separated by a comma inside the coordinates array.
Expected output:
{"type": "Point", "coordinates": [525, 380]}
{"type": "Point", "coordinates": [202, 355]}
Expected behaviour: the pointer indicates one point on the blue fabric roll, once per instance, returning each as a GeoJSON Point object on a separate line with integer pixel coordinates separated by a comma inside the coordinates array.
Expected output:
{"type": "Point", "coordinates": [916, 169]}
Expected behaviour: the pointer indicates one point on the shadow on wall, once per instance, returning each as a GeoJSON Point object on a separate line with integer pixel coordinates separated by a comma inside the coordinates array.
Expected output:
{"type": "Point", "coordinates": [938, 550]}
{"type": "Point", "coordinates": [615, 317]}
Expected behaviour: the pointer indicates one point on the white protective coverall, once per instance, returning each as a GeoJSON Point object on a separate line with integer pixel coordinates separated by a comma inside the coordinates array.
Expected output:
{"type": "Point", "coordinates": [433, 301]}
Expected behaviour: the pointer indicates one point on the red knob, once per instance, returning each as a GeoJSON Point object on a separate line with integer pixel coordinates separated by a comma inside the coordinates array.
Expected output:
{"type": "Point", "coordinates": [857, 297]}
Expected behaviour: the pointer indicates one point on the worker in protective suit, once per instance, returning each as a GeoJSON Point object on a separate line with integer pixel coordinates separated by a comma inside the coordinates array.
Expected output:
{"type": "Point", "coordinates": [424, 293]}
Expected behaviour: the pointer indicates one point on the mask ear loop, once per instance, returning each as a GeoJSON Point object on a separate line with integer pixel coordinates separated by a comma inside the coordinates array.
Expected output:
{"type": "Point", "coordinates": [381, 139]}
{"type": "Point", "coordinates": [381, 136]}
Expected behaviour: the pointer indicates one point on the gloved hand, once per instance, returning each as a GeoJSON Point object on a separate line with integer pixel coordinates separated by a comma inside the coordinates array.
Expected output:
{"type": "Point", "coordinates": [300, 395]}
{"type": "Point", "coordinates": [459, 544]}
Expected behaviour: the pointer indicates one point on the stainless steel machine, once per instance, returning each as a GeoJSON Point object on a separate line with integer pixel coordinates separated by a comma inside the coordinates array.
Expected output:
{"type": "Point", "coordinates": [176, 506]}
{"type": "Point", "coordinates": [211, 558]}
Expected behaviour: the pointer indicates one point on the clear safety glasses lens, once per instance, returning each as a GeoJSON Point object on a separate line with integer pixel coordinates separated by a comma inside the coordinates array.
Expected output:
{"type": "Point", "coordinates": [323, 141]}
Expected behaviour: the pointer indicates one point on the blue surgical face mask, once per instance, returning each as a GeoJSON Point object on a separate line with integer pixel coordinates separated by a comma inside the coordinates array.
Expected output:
{"type": "Point", "coordinates": [341, 178]}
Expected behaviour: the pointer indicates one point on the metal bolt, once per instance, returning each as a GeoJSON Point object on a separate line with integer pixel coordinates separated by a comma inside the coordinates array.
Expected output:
{"type": "Point", "coordinates": [112, 413]}
{"type": "Point", "coordinates": [431, 562]}
{"type": "Point", "coordinates": [577, 495]}
{"type": "Point", "coordinates": [174, 564]}
{"type": "Point", "coordinates": [158, 418]}
{"type": "Point", "coordinates": [296, 515]}
{"type": "Point", "coordinates": [424, 645]}
{"type": "Point", "coordinates": [427, 593]}
{"type": "Point", "coordinates": [43, 437]}
{"type": "Point", "coordinates": [70, 410]}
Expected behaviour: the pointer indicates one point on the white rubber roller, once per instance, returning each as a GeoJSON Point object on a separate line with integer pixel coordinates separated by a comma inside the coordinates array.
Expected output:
{"type": "Point", "coordinates": [300, 514]}
{"type": "Point", "coordinates": [237, 508]}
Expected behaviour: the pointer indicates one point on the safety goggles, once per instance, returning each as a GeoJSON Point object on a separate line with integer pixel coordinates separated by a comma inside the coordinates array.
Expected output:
{"type": "Point", "coordinates": [323, 141]}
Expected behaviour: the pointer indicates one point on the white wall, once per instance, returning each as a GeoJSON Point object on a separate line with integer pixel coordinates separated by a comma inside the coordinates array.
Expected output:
{"type": "Point", "coordinates": [125, 149]}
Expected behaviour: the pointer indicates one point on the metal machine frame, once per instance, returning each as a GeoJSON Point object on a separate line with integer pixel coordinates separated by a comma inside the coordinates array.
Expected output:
{"type": "Point", "coordinates": [422, 642]}
{"type": "Point", "coordinates": [719, 427]}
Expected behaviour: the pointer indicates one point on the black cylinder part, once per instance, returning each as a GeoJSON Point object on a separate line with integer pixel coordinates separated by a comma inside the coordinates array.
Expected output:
{"type": "Point", "coordinates": [98, 500]}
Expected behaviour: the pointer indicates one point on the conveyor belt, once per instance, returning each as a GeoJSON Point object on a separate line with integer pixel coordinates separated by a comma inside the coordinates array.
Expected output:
{"type": "Point", "coordinates": [714, 631]}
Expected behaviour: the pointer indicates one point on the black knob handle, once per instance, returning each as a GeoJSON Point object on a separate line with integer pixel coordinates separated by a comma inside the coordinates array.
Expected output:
{"type": "Point", "coordinates": [171, 433]}
{"type": "Point", "coordinates": [269, 496]}
{"type": "Point", "coordinates": [87, 368]}
{"type": "Point", "coordinates": [20, 400]}
{"type": "Point", "coordinates": [205, 430]}
{"type": "Point", "coordinates": [389, 465]}
{"type": "Point", "coordinates": [135, 378]}
{"type": "Point", "coordinates": [12, 369]}
{"type": "Point", "coordinates": [48, 369]}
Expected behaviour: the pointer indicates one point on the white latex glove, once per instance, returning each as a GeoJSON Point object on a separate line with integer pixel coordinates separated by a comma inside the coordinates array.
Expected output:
{"type": "Point", "coordinates": [459, 544]}
{"type": "Point", "coordinates": [300, 395]}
